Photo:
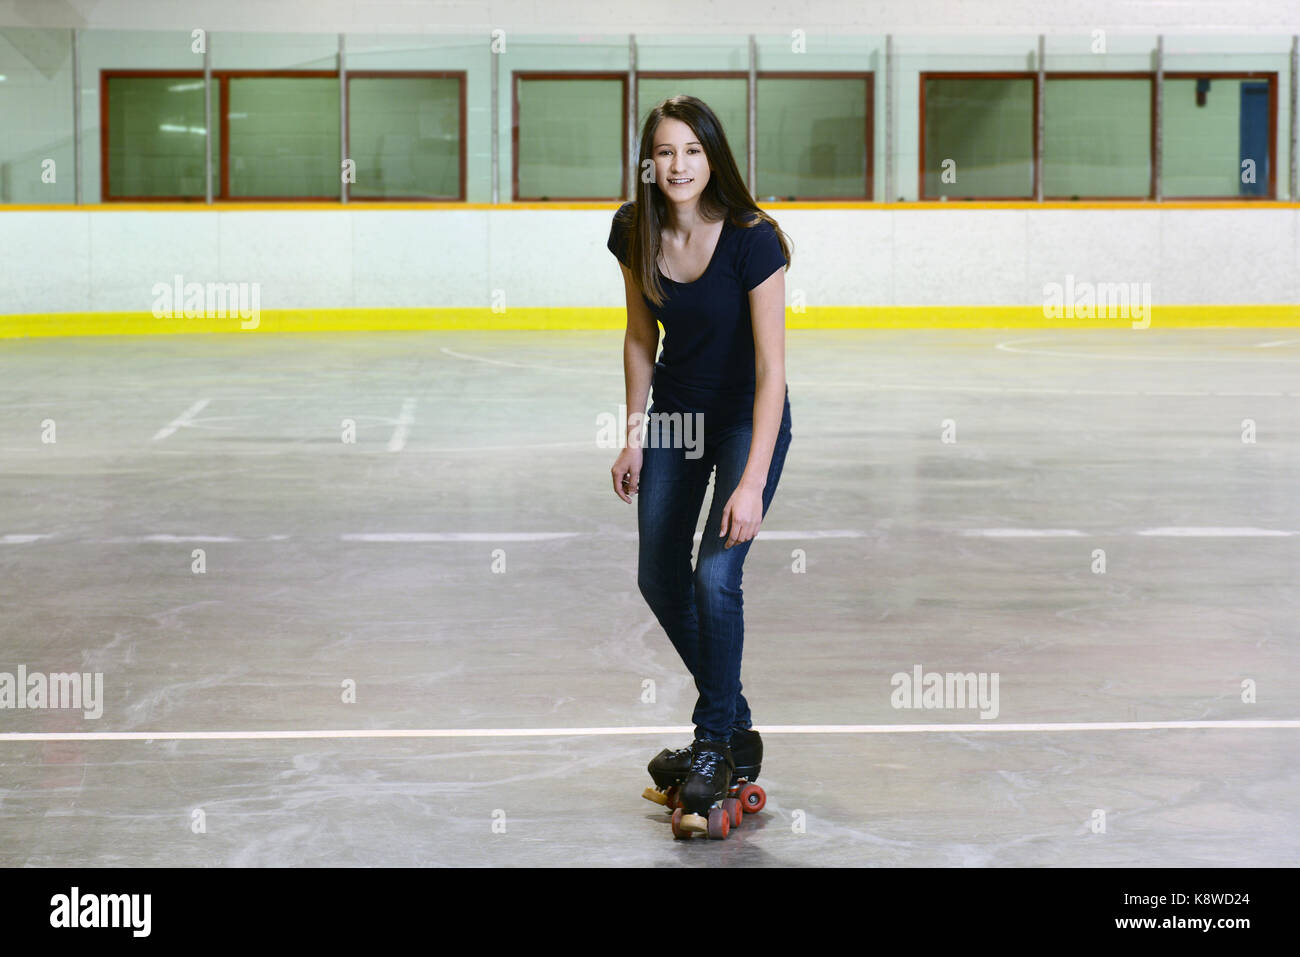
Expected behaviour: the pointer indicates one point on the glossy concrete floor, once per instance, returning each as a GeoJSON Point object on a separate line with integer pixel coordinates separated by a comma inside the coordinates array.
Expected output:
{"type": "Point", "coordinates": [201, 535]}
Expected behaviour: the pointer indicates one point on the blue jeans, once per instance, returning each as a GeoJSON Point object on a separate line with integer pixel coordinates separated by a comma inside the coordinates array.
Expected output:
{"type": "Point", "coordinates": [702, 610]}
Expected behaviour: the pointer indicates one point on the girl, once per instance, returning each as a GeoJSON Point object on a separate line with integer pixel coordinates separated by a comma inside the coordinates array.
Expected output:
{"type": "Point", "coordinates": [701, 258]}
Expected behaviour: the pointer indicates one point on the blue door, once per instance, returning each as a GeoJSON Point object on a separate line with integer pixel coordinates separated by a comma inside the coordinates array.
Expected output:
{"type": "Point", "coordinates": [1254, 136]}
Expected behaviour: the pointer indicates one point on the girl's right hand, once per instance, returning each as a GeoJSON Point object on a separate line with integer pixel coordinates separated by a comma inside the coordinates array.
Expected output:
{"type": "Point", "coordinates": [627, 473]}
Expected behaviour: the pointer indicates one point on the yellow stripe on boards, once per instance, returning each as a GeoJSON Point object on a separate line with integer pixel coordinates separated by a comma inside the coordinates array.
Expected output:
{"type": "Point", "coordinates": [481, 319]}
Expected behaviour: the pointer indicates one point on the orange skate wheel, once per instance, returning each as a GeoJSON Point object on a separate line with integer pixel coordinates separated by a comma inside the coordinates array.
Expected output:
{"type": "Point", "coordinates": [678, 833]}
{"type": "Point", "coordinates": [719, 823]}
{"type": "Point", "coordinates": [670, 797]}
{"type": "Point", "coordinates": [753, 798]}
{"type": "Point", "coordinates": [734, 811]}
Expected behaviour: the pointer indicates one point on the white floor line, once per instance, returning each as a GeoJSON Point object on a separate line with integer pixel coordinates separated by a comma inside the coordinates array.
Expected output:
{"type": "Point", "coordinates": [801, 384]}
{"type": "Point", "coordinates": [657, 730]}
{"type": "Point", "coordinates": [1023, 532]}
{"type": "Point", "coordinates": [181, 420]}
{"type": "Point", "coordinates": [788, 535]}
{"type": "Point", "coordinates": [805, 385]}
{"type": "Point", "coordinates": [457, 536]}
{"type": "Point", "coordinates": [544, 367]}
{"type": "Point", "coordinates": [1180, 532]}
{"type": "Point", "coordinates": [1011, 344]}
{"type": "Point", "coordinates": [412, 451]}
{"type": "Point", "coordinates": [797, 536]}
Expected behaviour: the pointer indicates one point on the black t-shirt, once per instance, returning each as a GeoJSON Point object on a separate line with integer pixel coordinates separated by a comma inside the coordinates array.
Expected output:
{"type": "Point", "coordinates": [707, 361]}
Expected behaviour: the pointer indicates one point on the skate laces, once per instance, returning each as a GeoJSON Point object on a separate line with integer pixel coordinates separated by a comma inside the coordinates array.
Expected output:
{"type": "Point", "coordinates": [708, 756]}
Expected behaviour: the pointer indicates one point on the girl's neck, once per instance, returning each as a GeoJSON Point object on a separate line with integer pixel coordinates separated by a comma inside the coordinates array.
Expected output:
{"type": "Point", "coordinates": [685, 224]}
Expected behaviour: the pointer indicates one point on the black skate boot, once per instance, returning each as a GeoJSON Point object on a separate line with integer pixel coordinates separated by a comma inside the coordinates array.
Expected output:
{"type": "Point", "coordinates": [704, 792]}
{"type": "Point", "coordinates": [669, 768]}
{"type": "Point", "coordinates": [747, 752]}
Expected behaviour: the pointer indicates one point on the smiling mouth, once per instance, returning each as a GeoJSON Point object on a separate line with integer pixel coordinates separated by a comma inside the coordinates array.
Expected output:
{"type": "Point", "coordinates": [681, 182]}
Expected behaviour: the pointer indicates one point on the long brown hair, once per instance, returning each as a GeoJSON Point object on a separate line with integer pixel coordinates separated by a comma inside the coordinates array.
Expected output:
{"type": "Point", "coordinates": [724, 196]}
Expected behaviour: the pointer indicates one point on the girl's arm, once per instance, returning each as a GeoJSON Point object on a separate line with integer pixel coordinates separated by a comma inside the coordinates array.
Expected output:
{"type": "Point", "coordinates": [743, 513]}
{"type": "Point", "coordinates": [767, 308]}
{"type": "Point", "coordinates": [639, 344]}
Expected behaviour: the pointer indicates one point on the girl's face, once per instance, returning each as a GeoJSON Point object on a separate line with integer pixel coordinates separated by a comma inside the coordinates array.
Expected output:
{"type": "Point", "coordinates": [681, 168]}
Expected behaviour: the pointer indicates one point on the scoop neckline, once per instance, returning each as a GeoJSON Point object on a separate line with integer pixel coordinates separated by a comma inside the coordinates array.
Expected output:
{"type": "Point", "coordinates": [725, 223]}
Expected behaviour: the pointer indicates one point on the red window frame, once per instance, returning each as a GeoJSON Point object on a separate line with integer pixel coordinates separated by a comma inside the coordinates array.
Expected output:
{"type": "Point", "coordinates": [1269, 76]}
{"type": "Point", "coordinates": [221, 78]}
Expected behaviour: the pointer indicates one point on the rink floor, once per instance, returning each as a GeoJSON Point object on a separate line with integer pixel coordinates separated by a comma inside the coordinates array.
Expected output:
{"type": "Point", "coordinates": [464, 570]}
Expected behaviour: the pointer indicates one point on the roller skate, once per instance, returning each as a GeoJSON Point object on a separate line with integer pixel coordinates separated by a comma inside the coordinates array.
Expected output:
{"type": "Point", "coordinates": [669, 768]}
{"type": "Point", "coordinates": [703, 804]}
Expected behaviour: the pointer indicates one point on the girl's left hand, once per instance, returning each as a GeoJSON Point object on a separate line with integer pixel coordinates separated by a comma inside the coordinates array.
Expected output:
{"type": "Point", "coordinates": [742, 515]}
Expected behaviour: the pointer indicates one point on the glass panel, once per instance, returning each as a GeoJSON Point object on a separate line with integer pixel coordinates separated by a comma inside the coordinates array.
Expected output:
{"type": "Point", "coordinates": [1104, 52]}
{"type": "Point", "coordinates": [834, 51]}
{"type": "Point", "coordinates": [404, 134]}
{"type": "Point", "coordinates": [1097, 138]}
{"type": "Point", "coordinates": [726, 97]}
{"type": "Point", "coordinates": [1212, 125]}
{"type": "Point", "coordinates": [169, 52]}
{"type": "Point", "coordinates": [36, 158]}
{"type": "Point", "coordinates": [451, 54]}
{"type": "Point", "coordinates": [812, 138]}
{"type": "Point", "coordinates": [156, 141]}
{"type": "Point", "coordinates": [571, 135]}
{"type": "Point", "coordinates": [939, 55]}
{"type": "Point", "coordinates": [1206, 143]}
{"type": "Point", "coordinates": [547, 166]}
{"type": "Point", "coordinates": [691, 53]}
{"type": "Point", "coordinates": [274, 51]}
{"type": "Point", "coordinates": [284, 137]}
{"type": "Point", "coordinates": [986, 128]}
